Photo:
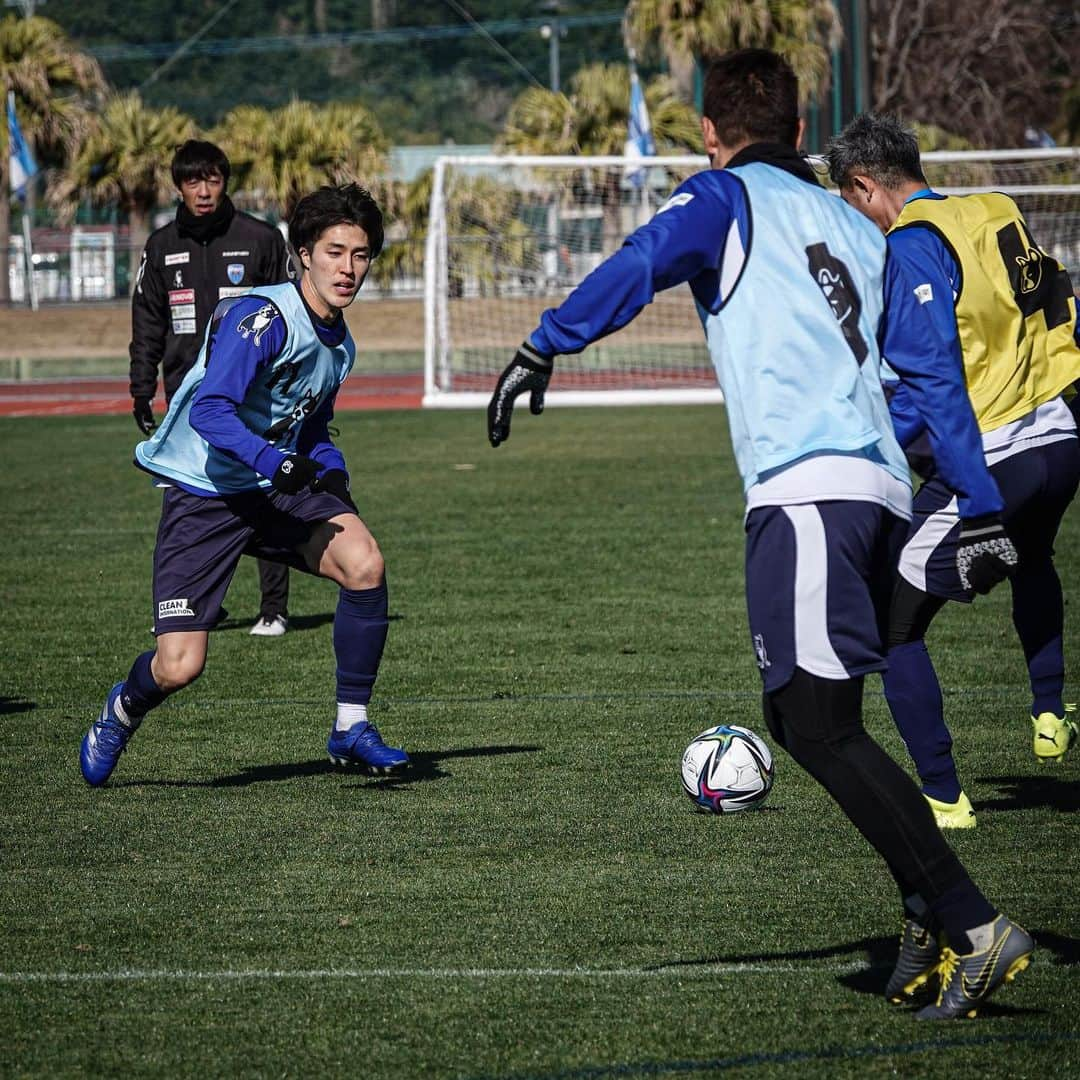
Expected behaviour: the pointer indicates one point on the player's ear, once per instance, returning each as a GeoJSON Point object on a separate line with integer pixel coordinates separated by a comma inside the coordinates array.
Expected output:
{"type": "Point", "coordinates": [800, 131]}
{"type": "Point", "coordinates": [712, 141]}
{"type": "Point", "coordinates": [305, 257]}
{"type": "Point", "coordinates": [863, 187]}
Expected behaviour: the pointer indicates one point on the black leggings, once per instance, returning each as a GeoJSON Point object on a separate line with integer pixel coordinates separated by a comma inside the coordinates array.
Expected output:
{"type": "Point", "coordinates": [274, 585]}
{"type": "Point", "coordinates": [819, 722]}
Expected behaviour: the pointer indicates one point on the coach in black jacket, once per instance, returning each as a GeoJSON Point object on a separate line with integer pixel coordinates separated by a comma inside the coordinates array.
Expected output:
{"type": "Point", "coordinates": [210, 251]}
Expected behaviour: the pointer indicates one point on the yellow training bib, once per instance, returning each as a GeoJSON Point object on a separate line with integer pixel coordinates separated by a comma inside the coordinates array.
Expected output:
{"type": "Point", "coordinates": [1015, 311]}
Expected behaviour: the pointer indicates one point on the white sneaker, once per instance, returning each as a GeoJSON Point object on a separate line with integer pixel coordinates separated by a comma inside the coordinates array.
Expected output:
{"type": "Point", "coordinates": [274, 627]}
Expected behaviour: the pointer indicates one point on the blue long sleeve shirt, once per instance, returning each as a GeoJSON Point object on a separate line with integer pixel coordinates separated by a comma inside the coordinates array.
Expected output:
{"type": "Point", "coordinates": [688, 241]}
{"type": "Point", "coordinates": [233, 361]}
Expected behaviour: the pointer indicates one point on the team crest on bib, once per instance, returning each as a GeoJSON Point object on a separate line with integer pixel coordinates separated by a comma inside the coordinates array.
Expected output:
{"type": "Point", "coordinates": [235, 272]}
{"type": "Point", "coordinates": [255, 325]}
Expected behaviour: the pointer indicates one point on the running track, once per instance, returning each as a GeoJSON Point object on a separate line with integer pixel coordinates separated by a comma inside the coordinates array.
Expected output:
{"type": "Point", "coordinates": [109, 394]}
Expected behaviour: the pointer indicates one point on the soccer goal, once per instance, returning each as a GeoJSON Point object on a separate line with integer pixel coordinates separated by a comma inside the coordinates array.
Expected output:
{"type": "Point", "coordinates": [510, 236]}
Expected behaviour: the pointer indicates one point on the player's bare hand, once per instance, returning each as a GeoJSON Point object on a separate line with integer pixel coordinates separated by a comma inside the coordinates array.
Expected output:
{"type": "Point", "coordinates": [528, 371]}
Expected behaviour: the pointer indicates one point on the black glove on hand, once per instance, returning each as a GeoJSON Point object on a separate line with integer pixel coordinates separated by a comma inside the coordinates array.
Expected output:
{"type": "Point", "coordinates": [294, 474]}
{"type": "Point", "coordinates": [144, 415]}
{"type": "Point", "coordinates": [985, 555]}
{"type": "Point", "coordinates": [527, 371]}
{"type": "Point", "coordinates": [336, 482]}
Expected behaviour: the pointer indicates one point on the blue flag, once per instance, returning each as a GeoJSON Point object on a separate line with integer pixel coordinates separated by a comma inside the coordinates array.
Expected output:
{"type": "Point", "coordinates": [639, 140]}
{"type": "Point", "coordinates": [21, 166]}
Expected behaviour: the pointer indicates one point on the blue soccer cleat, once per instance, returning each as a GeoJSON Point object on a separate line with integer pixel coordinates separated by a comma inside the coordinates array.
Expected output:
{"type": "Point", "coordinates": [106, 740]}
{"type": "Point", "coordinates": [362, 746]}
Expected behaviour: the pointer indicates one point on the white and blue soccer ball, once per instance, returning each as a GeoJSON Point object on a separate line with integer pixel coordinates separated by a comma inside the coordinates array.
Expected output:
{"type": "Point", "coordinates": [726, 769]}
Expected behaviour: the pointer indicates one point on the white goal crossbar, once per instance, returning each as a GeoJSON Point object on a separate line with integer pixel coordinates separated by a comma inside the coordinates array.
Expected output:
{"type": "Point", "coordinates": [510, 236]}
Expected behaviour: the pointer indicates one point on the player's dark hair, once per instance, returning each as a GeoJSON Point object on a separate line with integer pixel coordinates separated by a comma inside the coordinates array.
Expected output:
{"type": "Point", "coordinates": [199, 160]}
{"type": "Point", "coordinates": [752, 95]}
{"type": "Point", "coordinates": [878, 146]}
{"type": "Point", "coordinates": [348, 204]}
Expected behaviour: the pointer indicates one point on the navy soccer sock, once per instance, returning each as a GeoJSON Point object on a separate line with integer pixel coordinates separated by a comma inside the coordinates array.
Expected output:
{"type": "Point", "coordinates": [1046, 668]}
{"type": "Point", "coordinates": [141, 693]}
{"type": "Point", "coordinates": [914, 696]}
{"type": "Point", "coordinates": [360, 628]}
{"type": "Point", "coordinates": [1038, 615]}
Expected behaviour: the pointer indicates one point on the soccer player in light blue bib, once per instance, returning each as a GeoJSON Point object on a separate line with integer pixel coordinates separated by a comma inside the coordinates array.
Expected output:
{"type": "Point", "coordinates": [248, 467]}
{"type": "Point", "coordinates": [791, 288]}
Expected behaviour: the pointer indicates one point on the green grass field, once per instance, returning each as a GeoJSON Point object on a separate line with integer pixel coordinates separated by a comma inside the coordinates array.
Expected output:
{"type": "Point", "coordinates": [539, 899]}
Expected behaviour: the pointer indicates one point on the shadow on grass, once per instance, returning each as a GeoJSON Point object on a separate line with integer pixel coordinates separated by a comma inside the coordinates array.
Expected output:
{"type": "Point", "coordinates": [425, 766]}
{"type": "Point", "coordinates": [16, 705]}
{"type": "Point", "coordinates": [296, 622]}
{"type": "Point", "coordinates": [789, 1062]}
{"type": "Point", "coordinates": [1031, 793]}
{"type": "Point", "coordinates": [880, 954]}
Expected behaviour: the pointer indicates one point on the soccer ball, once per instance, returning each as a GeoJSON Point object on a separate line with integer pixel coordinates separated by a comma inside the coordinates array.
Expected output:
{"type": "Point", "coordinates": [726, 769]}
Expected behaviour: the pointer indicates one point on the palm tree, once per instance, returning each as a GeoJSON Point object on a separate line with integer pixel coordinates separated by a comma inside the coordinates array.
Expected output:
{"type": "Point", "coordinates": [406, 231]}
{"type": "Point", "coordinates": [593, 119]}
{"type": "Point", "coordinates": [124, 160]}
{"type": "Point", "coordinates": [280, 155]}
{"type": "Point", "coordinates": [803, 31]}
{"type": "Point", "coordinates": [47, 76]}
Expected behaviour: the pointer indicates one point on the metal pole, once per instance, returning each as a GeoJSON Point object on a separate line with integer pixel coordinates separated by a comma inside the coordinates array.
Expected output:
{"type": "Point", "coordinates": [28, 252]}
{"type": "Point", "coordinates": [553, 31]}
{"type": "Point", "coordinates": [554, 53]}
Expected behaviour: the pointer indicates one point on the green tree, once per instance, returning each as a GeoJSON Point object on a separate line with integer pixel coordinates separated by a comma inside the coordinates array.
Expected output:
{"type": "Point", "coordinates": [124, 161]}
{"type": "Point", "coordinates": [48, 77]}
{"type": "Point", "coordinates": [593, 119]}
{"type": "Point", "coordinates": [803, 31]}
{"type": "Point", "coordinates": [280, 155]}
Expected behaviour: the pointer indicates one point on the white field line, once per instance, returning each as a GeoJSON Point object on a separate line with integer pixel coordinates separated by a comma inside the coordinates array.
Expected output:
{"type": "Point", "coordinates": [368, 974]}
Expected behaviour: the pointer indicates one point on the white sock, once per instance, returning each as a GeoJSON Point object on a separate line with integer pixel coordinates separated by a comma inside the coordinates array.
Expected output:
{"type": "Point", "coordinates": [982, 937]}
{"type": "Point", "coordinates": [349, 716]}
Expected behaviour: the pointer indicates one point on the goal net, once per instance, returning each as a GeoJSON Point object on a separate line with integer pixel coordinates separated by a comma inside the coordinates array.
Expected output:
{"type": "Point", "coordinates": [509, 237]}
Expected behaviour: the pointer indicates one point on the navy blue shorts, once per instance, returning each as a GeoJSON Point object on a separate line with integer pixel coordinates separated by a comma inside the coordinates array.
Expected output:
{"type": "Point", "coordinates": [1036, 485]}
{"type": "Point", "coordinates": [819, 577]}
{"type": "Point", "coordinates": [201, 539]}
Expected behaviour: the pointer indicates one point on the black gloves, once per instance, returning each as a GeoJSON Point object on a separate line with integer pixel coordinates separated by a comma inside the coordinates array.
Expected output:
{"type": "Point", "coordinates": [294, 474]}
{"type": "Point", "coordinates": [297, 472]}
{"type": "Point", "coordinates": [985, 555]}
{"type": "Point", "coordinates": [144, 415]}
{"type": "Point", "coordinates": [527, 371]}
{"type": "Point", "coordinates": [335, 482]}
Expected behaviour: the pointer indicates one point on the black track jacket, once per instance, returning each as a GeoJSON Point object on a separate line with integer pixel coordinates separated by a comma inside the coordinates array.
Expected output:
{"type": "Point", "coordinates": [186, 269]}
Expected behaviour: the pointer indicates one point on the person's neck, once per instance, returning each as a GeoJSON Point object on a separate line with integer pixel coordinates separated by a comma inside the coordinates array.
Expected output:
{"type": "Point", "coordinates": [319, 308]}
{"type": "Point", "coordinates": [781, 155]}
{"type": "Point", "coordinates": [896, 198]}
{"type": "Point", "coordinates": [204, 227]}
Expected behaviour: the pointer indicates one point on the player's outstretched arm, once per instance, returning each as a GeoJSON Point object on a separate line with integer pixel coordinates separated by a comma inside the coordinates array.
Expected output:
{"type": "Point", "coordinates": [528, 371]}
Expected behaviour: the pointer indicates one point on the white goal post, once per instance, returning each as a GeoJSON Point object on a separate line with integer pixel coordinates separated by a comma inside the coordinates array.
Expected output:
{"type": "Point", "coordinates": [510, 236]}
